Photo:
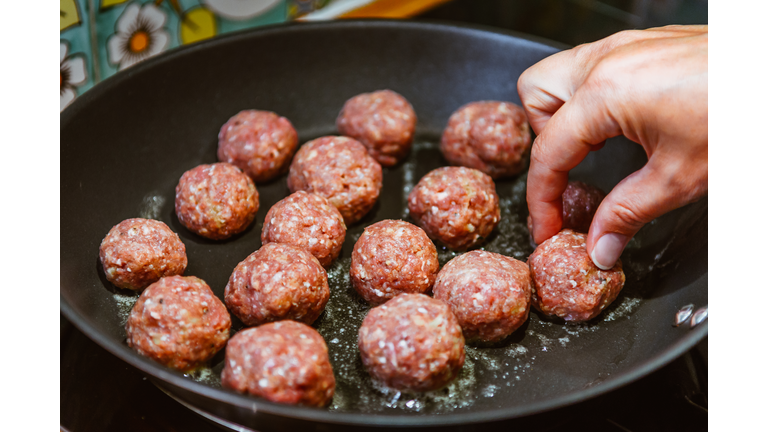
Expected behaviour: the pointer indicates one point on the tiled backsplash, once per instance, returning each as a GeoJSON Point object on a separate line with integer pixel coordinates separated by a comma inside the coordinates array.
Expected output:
{"type": "Point", "coordinates": [101, 37]}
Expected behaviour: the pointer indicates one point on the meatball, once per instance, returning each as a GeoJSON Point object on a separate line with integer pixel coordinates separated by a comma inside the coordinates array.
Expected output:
{"type": "Point", "coordinates": [260, 143]}
{"type": "Point", "coordinates": [216, 201]}
{"type": "Point", "coordinates": [178, 322]}
{"type": "Point", "coordinates": [308, 221]}
{"type": "Point", "coordinates": [137, 252]}
{"type": "Point", "coordinates": [412, 343]}
{"type": "Point", "coordinates": [490, 136]}
{"type": "Point", "coordinates": [285, 362]}
{"type": "Point", "coordinates": [277, 282]}
{"type": "Point", "coordinates": [457, 206]}
{"type": "Point", "coordinates": [565, 281]}
{"type": "Point", "coordinates": [340, 170]}
{"type": "Point", "coordinates": [390, 258]}
{"type": "Point", "coordinates": [383, 121]}
{"type": "Point", "coordinates": [490, 294]}
{"type": "Point", "coordinates": [580, 203]}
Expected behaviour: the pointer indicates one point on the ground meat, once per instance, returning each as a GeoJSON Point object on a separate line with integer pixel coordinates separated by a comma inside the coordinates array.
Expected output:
{"type": "Point", "coordinates": [308, 221]}
{"type": "Point", "coordinates": [260, 143]}
{"type": "Point", "coordinates": [457, 206]}
{"type": "Point", "coordinates": [178, 322]}
{"type": "Point", "coordinates": [565, 281]}
{"type": "Point", "coordinates": [490, 294]}
{"type": "Point", "coordinates": [137, 252]}
{"type": "Point", "coordinates": [412, 343]}
{"type": "Point", "coordinates": [490, 136]}
{"type": "Point", "coordinates": [383, 121]}
{"type": "Point", "coordinates": [285, 362]}
{"type": "Point", "coordinates": [580, 203]}
{"type": "Point", "coordinates": [277, 282]}
{"type": "Point", "coordinates": [340, 170]}
{"type": "Point", "coordinates": [216, 201]}
{"type": "Point", "coordinates": [390, 258]}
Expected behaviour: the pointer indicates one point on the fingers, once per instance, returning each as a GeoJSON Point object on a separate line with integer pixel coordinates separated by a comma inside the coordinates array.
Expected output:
{"type": "Point", "coordinates": [659, 187]}
{"type": "Point", "coordinates": [582, 123]}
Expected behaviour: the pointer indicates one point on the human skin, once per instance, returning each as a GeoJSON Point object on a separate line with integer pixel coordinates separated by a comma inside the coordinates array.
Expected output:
{"type": "Point", "coordinates": [648, 85]}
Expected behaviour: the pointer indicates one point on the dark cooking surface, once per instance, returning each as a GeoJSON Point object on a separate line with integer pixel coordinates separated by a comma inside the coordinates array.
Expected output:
{"type": "Point", "coordinates": [102, 393]}
{"type": "Point", "coordinates": [136, 172]}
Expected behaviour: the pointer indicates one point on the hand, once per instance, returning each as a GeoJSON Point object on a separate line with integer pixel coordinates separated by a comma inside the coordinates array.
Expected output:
{"type": "Point", "coordinates": [648, 85]}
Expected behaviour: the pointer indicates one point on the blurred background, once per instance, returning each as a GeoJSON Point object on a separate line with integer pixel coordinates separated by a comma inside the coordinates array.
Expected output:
{"type": "Point", "coordinates": [99, 38]}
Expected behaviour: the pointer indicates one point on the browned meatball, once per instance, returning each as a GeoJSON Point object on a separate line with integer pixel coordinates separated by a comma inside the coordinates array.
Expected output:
{"type": "Point", "coordinates": [308, 221]}
{"type": "Point", "coordinates": [580, 203]}
{"type": "Point", "coordinates": [340, 170]}
{"type": "Point", "coordinates": [490, 294]}
{"type": "Point", "coordinates": [490, 136]}
{"type": "Point", "coordinates": [455, 205]}
{"type": "Point", "coordinates": [137, 252]}
{"type": "Point", "coordinates": [178, 322]}
{"type": "Point", "coordinates": [216, 201]}
{"type": "Point", "coordinates": [390, 258]}
{"type": "Point", "coordinates": [383, 121]}
{"type": "Point", "coordinates": [412, 343]}
{"type": "Point", "coordinates": [285, 362]}
{"type": "Point", "coordinates": [277, 282]}
{"type": "Point", "coordinates": [565, 281]}
{"type": "Point", "coordinates": [260, 143]}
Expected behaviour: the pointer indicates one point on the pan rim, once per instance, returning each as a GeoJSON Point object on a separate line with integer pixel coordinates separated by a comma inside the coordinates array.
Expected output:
{"type": "Point", "coordinates": [320, 415]}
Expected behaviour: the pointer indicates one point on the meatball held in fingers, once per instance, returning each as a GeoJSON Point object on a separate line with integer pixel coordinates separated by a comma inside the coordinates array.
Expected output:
{"type": "Point", "coordinates": [489, 293]}
{"type": "Point", "coordinates": [567, 284]}
{"type": "Point", "coordinates": [284, 362]}
{"type": "Point", "coordinates": [412, 343]}
{"type": "Point", "coordinates": [455, 205]}
{"type": "Point", "coordinates": [393, 257]}
{"type": "Point", "coordinates": [178, 322]}
{"type": "Point", "coordinates": [138, 252]}
{"type": "Point", "coordinates": [383, 121]}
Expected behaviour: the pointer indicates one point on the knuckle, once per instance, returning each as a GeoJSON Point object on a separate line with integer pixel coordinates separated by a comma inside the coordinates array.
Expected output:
{"type": "Point", "coordinates": [628, 214]}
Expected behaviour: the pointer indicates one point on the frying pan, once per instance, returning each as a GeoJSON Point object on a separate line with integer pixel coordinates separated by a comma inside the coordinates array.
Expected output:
{"type": "Point", "coordinates": [126, 142]}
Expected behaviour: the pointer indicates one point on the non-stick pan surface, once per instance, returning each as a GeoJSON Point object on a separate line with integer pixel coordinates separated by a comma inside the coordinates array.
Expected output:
{"type": "Point", "coordinates": [126, 142]}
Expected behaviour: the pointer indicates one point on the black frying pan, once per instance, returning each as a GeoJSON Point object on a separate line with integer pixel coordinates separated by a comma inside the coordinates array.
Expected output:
{"type": "Point", "coordinates": [126, 142]}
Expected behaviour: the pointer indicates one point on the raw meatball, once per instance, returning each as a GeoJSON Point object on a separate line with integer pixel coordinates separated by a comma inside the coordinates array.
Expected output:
{"type": "Point", "coordinates": [457, 206]}
{"type": "Point", "coordinates": [390, 258]}
{"type": "Point", "coordinates": [383, 121]}
{"type": "Point", "coordinates": [580, 203]}
{"type": "Point", "coordinates": [260, 143]}
{"type": "Point", "coordinates": [565, 281]}
{"type": "Point", "coordinates": [490, 294]}
{"type": "Point", "coordinates": [137, 252]}
{"type": "Point", "coordinates": [178, 322]}
{"type": "Point", "coordinates": [285, 362]}
{"type": "Point", "coordinates": [412, 343]}
{"type": "Point", "coordinates": [340, 170]}
{"type": "Point", "coordinates": [277, 282]}
{"type": "Point", "coordinates": [216, 201]}
{"type": "Point", "coordinates": [490, 136]}
{"type": "Point", "coordinates": [308, 221]}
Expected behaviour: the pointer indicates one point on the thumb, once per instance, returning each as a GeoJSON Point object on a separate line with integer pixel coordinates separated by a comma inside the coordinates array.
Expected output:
{"type": "Point", "coordinates": [638, 199]}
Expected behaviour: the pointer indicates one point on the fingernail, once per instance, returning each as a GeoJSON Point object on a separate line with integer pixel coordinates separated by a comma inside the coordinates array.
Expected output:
{"type": "Point", "coordinates": [608, 249]}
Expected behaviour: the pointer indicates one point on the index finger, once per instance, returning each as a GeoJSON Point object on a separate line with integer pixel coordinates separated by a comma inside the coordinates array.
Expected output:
{"type": "Point", "coordinates": [569, 136]}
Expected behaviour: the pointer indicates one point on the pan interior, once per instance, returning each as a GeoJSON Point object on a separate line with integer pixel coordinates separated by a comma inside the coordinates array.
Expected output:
{"type": "Point", "coordinates": [127, 142]}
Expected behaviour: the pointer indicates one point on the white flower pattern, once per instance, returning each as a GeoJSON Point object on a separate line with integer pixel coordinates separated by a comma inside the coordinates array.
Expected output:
{"type": "Point", "coordinates": [71, 75]}
{"type": "Point", "coordinates": [139, 34]}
